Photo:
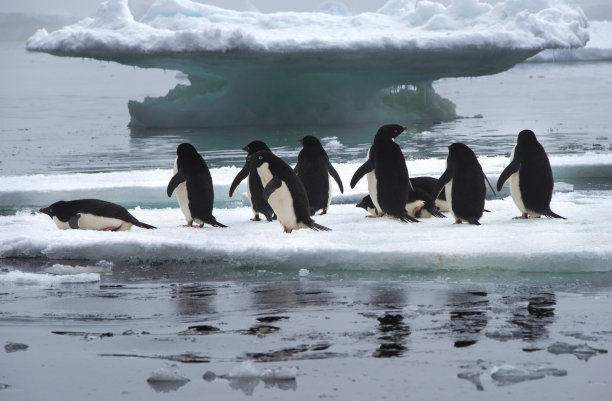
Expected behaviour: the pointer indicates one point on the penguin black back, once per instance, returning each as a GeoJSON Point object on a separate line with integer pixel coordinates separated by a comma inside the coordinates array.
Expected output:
{"type": "Point", "coordinates": [314, 168]}
{"type": "Point", "coordinates": [193, 171]}
{"type": "Point", "coordinates": [255, 188]}
{"type": "Point", "coordinates": [467, 184]}
{"type": "Point", "coordinates": [392, 185]}
{"type": "Point", "coordinates": [535, 175]}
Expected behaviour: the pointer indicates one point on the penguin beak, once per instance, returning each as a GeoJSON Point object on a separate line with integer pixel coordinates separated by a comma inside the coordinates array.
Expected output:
{"type": "Point", "coordinates": [301, 140]}
{"type": "Point", "coordinates": [249, 158]}
{"type": "Point", "coordinates": [45, 211]}
{"type": "Point", "coordinates": [246, 148]}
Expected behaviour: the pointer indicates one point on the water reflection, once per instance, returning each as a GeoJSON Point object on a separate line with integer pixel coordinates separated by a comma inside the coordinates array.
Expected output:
{"type": "Point", "coordinates": [194, 298]}
{"type": "Point", "coordinates": [468, 315]}
{"type": "Point", "coordinates": [533, 318]}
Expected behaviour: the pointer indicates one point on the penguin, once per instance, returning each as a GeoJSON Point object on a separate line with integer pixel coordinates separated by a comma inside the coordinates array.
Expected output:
{"type": "Point", "coordinates": [427, 184]}
{"type": "Point", "coordinates": [388, 182]}
{"type": "Point", "coordinates": [254, 187]}
{"type": "Point", "coordinates": [284, 191]}
{"type": "Point", "coordinates": [464, 182]}
{"type": "Point", "coordinates": [316, 172]}
{"type": "Point", "coordinates": [419, 204]}
{"type": "Point", "coordinates": [531, 179]}
{"type": "Point", "coordinates": [194, 187]}
{"type": "Point", "coordinates": [92, 214]}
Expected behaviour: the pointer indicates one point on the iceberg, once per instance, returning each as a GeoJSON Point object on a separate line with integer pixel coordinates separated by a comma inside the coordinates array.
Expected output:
{"type": "Point", "coordinates": [324, 67]}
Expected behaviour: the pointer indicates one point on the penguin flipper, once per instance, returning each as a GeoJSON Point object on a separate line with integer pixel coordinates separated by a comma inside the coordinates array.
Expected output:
{"type": "Point", "coordinates": [178, 178]}
{"type": "Point", "coordinates": [73, 222]}
{"type": "Point", "coordinates": [446, 177]}
{"type": "Point", "coordinates": [508, 171]}
{"type": "Point", "coordinates": [272, 186]}
{"type": "Point", "coordinates": [361, 171]}
{"type": "Point", "coordinates": [242, 174]}
{"type": "Point", "coordinates": [332, 171]}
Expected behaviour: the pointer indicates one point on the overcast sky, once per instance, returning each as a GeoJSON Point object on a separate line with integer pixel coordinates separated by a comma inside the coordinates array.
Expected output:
{"type": "Point", "coordinates": [595, 9]}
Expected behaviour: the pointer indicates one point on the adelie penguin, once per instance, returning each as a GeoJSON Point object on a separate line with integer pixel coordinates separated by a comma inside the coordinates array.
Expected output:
{"type": "Point", "coordinates": [194, 187]}
{"type": "Point", "coordinates": [464, 184]}
{"type": "Point", "coordinates": [92, 214]}
{"type": "Point", "coordinates": [388, 182]}
{"type": "Point", "coordinates": [254, 187]}
{"type": "Point", "coordinates": [316, 172]}
{"type": "Point", "coordinates": [531, 179]}
{"type": "Point", "coordinates": [284, 191]}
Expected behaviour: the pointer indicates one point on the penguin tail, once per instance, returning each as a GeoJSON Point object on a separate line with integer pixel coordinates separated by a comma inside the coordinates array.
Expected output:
{"type": "Point", "coordinates": [406, 218]}
{"type": "Point", "coordinates": [318, 227]}
{"type": "Point", "coordinates": [213, 222]}
{"type": "Point", "coordinates": [144, 225]}
{"type": "Point", "coordinates": [553, 215]}
{"type": "Point", "coordinates": [434, 210]}
{"type": "Point", "coordinates": [474, 222]}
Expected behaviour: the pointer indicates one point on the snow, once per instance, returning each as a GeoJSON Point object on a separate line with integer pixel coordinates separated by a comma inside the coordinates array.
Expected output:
{"type": "Point", "coordinates": [598, 48]}
{"type": "Point", "coordinates": [179, 26]}
{"type": "Point", "coordinates": [581, 243]}
{"type": "Point", "coordinates": [47, 280]}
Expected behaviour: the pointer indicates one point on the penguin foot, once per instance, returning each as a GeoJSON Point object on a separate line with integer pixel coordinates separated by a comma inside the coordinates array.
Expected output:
{"type": "Point", "coordinates": [323, 212]}
{"type": "Point", "coordinates": [112, 228]}
{"type": "Point", "coordinates": [287, 230]}
{"type": "Point", "coordinates": [374, 216]}
{"type": "Point", "coordinates": [457, 221]}
{"type": "Point", "coordinates": [416, 212]}
{"type": "Point", "coordinates": [522, 216]}
{"type": "Point", "coordinates": [256, 218]}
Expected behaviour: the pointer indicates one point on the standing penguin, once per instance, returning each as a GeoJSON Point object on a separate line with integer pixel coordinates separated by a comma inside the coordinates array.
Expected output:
{"type": "Point", "coordinates": [531, 179]}
{"type": "Point", "coordinates": [194, 187]}
{"type": "Point", "coordinates": [92, 214]}
{"type": "Point", "coordinates": [254, 187]}
{"type": "Point", "coordinates": [388, 182]}
{"type": "Point", "coordinates": [315, 171]}
{"type": "Point", "coordinates": [284, 191]}
{"type": "Point", "coordinates": [464, 184]}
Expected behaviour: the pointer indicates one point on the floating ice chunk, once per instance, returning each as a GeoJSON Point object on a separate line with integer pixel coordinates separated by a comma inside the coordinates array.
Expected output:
{"type": "Point", "coordinates": [19, 277]}
{"type": "Point", "coordinates": [304, 272]}
{"type": "Point", "coordinates": [508, 374]}
{"type": "Point", "coordinates": [164, 380]}
{"type": "Point", "coordinates": [580, 351]}
{"type": "Point", "coordinates": [59, 269]}
{"type": "Point", "coordinates": [247, 370]}
{"type": "Point", "coordinates": [167, 375]}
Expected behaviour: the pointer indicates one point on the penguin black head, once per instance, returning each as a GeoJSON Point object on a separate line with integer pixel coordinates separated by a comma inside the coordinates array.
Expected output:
{"type": "Point", "coordinates": [310, 141]}
{"type": "Point", "coordinates": [188, 157]}
{"type": "Point", "coordinates": [56, 209]}
{"type": "Point", "coordinates": [366, 203]}
{"type": "Point", "coordinates": [460, 152]}
{"type": "Point", "coordinates": [255, 146]}
{"type": "Point", "coordinates": [261, 157]}
{"type": "Point", "coordinates": [389, 132]}
{"type": "Point", "coordinates": [525, 137]}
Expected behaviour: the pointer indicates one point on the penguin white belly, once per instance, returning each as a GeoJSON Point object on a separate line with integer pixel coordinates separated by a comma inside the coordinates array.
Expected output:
{"type": "Point", "coordinates": [329, 192]}
{"type": "Point", "coordinates": [411, 206]}
{"type": "Point", "coordinates": [448, 188]}
{"type": "Point", "coordinates": [182, 197]}
{"type": "Point", "coordinates": [249, 195]}
{"type": "Point", "coordinates": [515, 192]}
{"type": "Point", "coordinates": [442, 205]}
{"type": "Point", "coordinates": [372, 189]}
{"type": "Point", "coordinates": [281, 200]}
{"type": "Point", "coordinates": [92, 222]}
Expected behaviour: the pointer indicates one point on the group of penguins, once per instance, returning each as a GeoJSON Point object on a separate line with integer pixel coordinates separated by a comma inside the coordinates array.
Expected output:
{"type": "Point", "coordinates": [293, 195]}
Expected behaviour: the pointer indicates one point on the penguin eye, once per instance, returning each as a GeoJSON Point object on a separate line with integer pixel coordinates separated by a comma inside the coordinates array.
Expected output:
{"type": "Point", "coordinates": [260, 157]}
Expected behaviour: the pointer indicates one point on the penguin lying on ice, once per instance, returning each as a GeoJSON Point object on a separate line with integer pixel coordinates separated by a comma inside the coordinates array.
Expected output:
{"type": "Point", "coordinates": [92, 214]}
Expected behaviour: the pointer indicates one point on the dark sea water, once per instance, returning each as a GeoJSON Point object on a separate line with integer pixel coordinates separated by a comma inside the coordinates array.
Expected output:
{"type": "Point", "coordinates": [262, 329]}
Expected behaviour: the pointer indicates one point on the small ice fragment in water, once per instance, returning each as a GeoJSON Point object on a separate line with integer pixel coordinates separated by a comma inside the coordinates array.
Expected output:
{"type": "Point", "coordinates": [165, 380]}
{"type": "Point", "coordinates": [13, 347]}
{"type": "Point", "coordinates": [473, 378]}
{"type": "Point", "coordinates": [581, 351]}
{"type": "Point", "coordinates": [507, 374]}
{"type": "Point", "coordinates": [304, 272]}
{"type": "Point", "coordinates": [3, 386]}
{"type": "Point", "coordinates": [245, 370]}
